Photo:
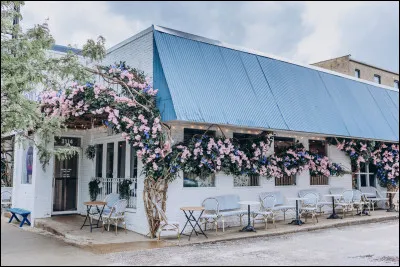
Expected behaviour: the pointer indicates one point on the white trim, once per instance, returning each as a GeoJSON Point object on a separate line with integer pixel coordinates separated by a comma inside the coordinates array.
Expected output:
{"type": "Point", "coordinates": [64, 212]}
{"type": "Point", "coordinates": [277, 131]}
{"type": "Point", "coordinates": [251, 51]}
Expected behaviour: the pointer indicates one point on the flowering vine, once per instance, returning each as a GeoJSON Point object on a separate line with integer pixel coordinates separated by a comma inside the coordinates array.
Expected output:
{"type": "Point", "coordinates": [384, 156]}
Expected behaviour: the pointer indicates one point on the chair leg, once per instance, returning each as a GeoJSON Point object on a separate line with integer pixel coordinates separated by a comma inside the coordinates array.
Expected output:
{"type": "Point", "coordinates": [125, 227]}
{"type": "Point", "coordinates": [223, 225]}
{"type": "Point", "coordinates": [116, 227]}
{"type": "Point", "coordinates": [284, 216]}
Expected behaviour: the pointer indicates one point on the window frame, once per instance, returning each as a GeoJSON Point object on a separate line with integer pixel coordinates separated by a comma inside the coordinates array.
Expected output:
{"type": "Point", "coordinates": [367, 174]}
{"type": "Point", "coordinates": [357, 73]}
{"type": "Point", "coordinates": [378, 77]}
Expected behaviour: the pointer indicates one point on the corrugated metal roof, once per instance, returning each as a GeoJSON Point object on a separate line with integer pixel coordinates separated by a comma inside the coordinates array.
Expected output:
{"type": "Point", "coordinates": [65, 49]}
{"type": "Point", "coordinates": [212, 83]}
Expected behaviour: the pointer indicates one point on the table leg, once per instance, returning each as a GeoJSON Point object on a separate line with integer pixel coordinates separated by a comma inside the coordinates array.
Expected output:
{"type": "Point", "coordinates": [87, 216]}
{"type": "Point", "coordinates": [249, 227]}
{"type": "Point", "coordinates": [297, 221]}
{"type": "Point", "coordinates": [333, 215]}
{"type": "Point", "coordinates": [191, 218]}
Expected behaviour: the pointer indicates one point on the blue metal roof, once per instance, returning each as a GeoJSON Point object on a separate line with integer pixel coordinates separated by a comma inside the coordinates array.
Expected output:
{"type": "Point", "coordinates": [199, 81]}
{"type": "Point", "coordinates": [65, 49]}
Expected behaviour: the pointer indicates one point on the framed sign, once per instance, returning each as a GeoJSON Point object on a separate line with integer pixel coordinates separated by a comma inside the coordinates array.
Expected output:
{"type": "Point", "coordinates": [62, 141]}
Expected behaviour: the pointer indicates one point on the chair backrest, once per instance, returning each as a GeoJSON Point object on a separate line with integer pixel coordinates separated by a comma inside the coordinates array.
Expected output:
{"type": "Point", "coordinates": [161, 213]}
{"type": "Point", "coordinates": [227, 202]}
{"type": "Point", "coordinates": [311, 199]}
{"type": "Point", "coordinates": [268, 203]}
{"type": "Point", "coordinates": [119, 207]}
{"type": "Point", "coordinates": [347, 196]}
{"type": "Point", "coordinates": [336, 190]}
{"type": "Point", "coordinates": [211, 205]}
{"type": "Point", "coordinates": [280, 200]}
{"type": "Point", "coordinates": [357, 195]}
{"type": "Point", "coordinates": [370, 190]}
{"type": "Point", "coordinates": [111, 199]}
{"type": "Point", "coordinates": [304, 192]}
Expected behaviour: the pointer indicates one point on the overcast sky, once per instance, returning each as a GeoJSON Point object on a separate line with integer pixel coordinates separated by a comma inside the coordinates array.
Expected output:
{"type": "Point", "coordinates": [302, 31]}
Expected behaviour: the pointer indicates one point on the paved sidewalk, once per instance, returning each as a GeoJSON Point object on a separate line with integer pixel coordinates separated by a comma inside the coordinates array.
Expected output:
{"type": "Point", "coordinates": [375, 244]}
{"type": "Point", "coordinates": [22, 247]}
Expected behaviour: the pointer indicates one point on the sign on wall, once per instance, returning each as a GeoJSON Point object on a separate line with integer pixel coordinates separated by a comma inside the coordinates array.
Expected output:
{"type": "Point", "coordinates": [62, 141]}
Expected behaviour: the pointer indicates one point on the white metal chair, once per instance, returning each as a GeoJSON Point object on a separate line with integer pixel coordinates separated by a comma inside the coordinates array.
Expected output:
{"type": "Point", "coordinates": [266, 210]}
{"type": "Point", "coordinates": [165, 224]}
{"type": "Point", "coordinates": [309, 206]}
{"type": "Point", "coordinates": [374, 197]}
{"type": "Point", "coordinates": [115, 215]}
{"type": "Point", "coordinates": [359, 201]}
{"type": "Point", "coordinates": [346, 202]}
{"type": "Point", "coordinates": [211, 213]}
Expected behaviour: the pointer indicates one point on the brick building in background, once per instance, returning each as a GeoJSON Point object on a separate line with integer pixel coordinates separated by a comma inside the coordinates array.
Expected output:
{"type": "Point", "coordinates": [362, 70]}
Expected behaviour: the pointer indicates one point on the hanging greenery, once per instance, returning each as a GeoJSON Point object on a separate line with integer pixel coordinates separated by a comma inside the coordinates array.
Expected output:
{"type": "Point", "coordinates": [94, 189]}
{"type": "Point", "coordinates": [124, 189]}
{"type": "Point", "coordinates": [90, 152]}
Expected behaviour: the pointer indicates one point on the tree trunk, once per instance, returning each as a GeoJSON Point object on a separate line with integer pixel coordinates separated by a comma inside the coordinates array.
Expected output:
{"type": "Point", "coordinates": [154, 191]}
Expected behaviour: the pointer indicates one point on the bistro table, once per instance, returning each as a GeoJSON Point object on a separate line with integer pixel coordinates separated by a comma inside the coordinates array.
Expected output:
{"type": "Point", "coordinates": [297, 221]}
{"type": "Point", "coordinates": [248, 227]}
{"type": "Point", "coordinates": [188, 211]}
{"type": "Point", "coordinates": [391, 206]}
{"type": "Point", "coordinates": [334, 215]}
{"type": "Point", "coordinates": [89, 205]}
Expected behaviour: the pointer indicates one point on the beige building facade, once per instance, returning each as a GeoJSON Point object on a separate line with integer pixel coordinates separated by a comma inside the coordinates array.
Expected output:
{"type": "Point", "coordinates": [362, 70]}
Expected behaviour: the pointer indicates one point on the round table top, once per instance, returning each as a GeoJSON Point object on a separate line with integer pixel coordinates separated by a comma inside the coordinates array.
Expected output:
{"type": "Point", "coordinates": [334, 195]}
{"type": "Point", "coordinates": [392, 192]}
{"type": "Point", "coordinates": [249, 202]}
{"type": "Point", "coordinates": [297, 198]}
{"type": "Point", "coordinates": [194, 208]}
{"type": "Point", "coordinates": [94, 203]}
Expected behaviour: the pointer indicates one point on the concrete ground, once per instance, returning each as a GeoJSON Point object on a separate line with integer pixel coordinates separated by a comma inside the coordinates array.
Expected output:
{"type": "Point", "coordinates": [22, 247]}
{"type": "Point", "coordinates": [365, 244]}
{"type": "Point", "coordinates": [373, 244]}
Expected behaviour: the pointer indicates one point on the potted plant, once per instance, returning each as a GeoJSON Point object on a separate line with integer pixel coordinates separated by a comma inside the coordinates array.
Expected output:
{"type": "Point", "coordinates": [94, 189]}
{"type": "Point", "coordinates": [124, 188]}
{"type": "Point", "coordinates": [90, 152]}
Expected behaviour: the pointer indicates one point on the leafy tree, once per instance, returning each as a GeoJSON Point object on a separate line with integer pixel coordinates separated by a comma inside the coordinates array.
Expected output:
{"type": "Point", "coordinates": [27, 67]}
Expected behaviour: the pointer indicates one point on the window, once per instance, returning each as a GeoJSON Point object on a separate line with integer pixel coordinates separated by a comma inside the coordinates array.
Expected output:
{"type": "Point", "coordinates": [252, 180]}
{"type": "Point", "coordinates": [285, 180]}
{"type": "Point", "coordinates": [282, 143]}
{"type": "Point", "coordinates": [191, 179]}
{"type": "Point", "coordinates": [366, 176]}
{"type": "Point", "coordinates": [121, 159]}
{"type": "Point", "coordinates": [99, 160]}
{"type": "Point", "coordinates": [317, 147]}
{"type": "Point", "coordinates": [133, 163]}
{"type": "Point", "coordinates": [110, 161]}
{"type": "Point", "coordinates": [27, 163]}
{"type": "Point", "coordinates": [377, 78]}
{"type": "Point", "coordinates": [243, 138]}
{"type": "Point", "coordinates": [396, 84]}
{"type": "Point", "coordinates": [357, 73]}
{"type": "Point", "coordinates": [189, 133]}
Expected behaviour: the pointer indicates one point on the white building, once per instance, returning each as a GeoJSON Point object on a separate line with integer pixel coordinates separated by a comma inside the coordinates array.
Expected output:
{"type": "Point", "coordinates": [203, 82]}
